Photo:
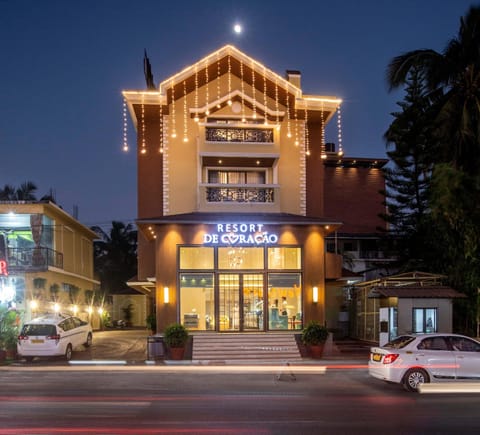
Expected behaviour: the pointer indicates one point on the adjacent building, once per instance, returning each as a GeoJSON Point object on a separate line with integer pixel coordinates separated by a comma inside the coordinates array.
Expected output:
{"type": "Point", "coordinates": [239, 195]}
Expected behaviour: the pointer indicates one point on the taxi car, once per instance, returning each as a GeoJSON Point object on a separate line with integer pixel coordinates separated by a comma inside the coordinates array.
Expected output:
{"type": "Point", "coordinates": [411, 360]}
{"type": "Point", "coordinates": [53, 335]}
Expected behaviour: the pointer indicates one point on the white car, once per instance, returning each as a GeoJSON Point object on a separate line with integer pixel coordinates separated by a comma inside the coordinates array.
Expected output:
{"type": "Point", "coordinates": [412, 360]}
{"type": "Point", "coordinates": [53, 335]}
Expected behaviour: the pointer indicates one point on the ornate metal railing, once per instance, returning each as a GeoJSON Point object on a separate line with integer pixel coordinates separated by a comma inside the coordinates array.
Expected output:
{"type": "Point", "coordinates": [34, 258]}
{"type": "Point", "coordinates": [231, 134]}
{"type": "Point", "coordinates": [240, 194]}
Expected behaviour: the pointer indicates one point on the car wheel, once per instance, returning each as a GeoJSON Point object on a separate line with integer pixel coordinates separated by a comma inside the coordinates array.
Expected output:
{"type": "Point", "coordinates": [88, 343]}
{"type": "Point", "coordinates": [68, 352]}
{"type": "Point", "coordinates": [413, 378]}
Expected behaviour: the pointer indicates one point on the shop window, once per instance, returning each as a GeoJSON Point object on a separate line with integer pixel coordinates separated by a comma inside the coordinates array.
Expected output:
{"type": "Point", "coordinates": [238, 257]}
{"type": "Point", "coordinates": [285, 258]}
{"type": "Point", "coordinates": [284, 301]}
{"type": "Point", "coordinates": [196, 257]}
{"type": "Point", "coordinates": [424, 320]}
{"type": "Point", "coordinates": [197, 303]}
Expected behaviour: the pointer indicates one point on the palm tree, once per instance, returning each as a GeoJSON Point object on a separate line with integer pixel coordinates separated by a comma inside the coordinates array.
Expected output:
{"type": "Point", "coordinates": [452, 78]}
{"type": "Point", "coordinates": [26, 192]}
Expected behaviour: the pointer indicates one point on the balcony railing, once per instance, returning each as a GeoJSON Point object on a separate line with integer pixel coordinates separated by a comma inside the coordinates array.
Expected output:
{"type": "Point", "coordinates": [34, 258]}
{"type": "Point", "coordinates": [231, 134]}
{"type": "Point", "coordinates": [240, 194]}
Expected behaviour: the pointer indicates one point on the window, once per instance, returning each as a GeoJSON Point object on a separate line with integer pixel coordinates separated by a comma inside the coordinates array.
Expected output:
{"type": "Point", "coordinates": [424, 320]}
{"type": "Point", "coordinates": [236, 177]}
{"type": "Point", "coordinates": [197, 302]}
{"type": "Point", "coordinates": [238, 257]}
{"type": "Point", "coordinates": [285, 258]}
{"type": "Point", "coordinates": [196, 257]}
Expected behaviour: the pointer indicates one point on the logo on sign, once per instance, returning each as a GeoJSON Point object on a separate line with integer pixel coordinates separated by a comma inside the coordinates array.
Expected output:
{"type": "Point", "coordinates": [240, 234]}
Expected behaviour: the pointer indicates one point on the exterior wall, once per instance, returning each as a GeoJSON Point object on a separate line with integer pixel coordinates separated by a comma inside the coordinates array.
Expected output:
{"type": "Point", "coordinates": [171, 235]}
{"type": "Point", "coordinates": [352, 196]}
{"type": "Point", "coordinates": [315, 178]}
{"type": "Point", "coordinates": [405, 310]}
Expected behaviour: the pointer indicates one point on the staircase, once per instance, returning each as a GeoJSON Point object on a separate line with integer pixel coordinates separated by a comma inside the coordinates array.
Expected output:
{"type": "Point", "coordinates": [251, 347]}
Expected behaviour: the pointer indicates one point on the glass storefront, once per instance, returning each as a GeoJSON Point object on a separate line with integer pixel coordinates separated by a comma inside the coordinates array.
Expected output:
{"type": "Point", "coordinates": [239, 289]}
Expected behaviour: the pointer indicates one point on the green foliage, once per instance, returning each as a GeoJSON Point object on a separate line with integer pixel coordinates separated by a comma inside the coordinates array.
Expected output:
{"type": "Point", "coordinates": [175, 335]}
{"type": "Point", "coordinates": [8, 329]}
{"type": "Point", "coordinates": [314, 333]}
{"type": "Point", "coordinates": [151, 321]}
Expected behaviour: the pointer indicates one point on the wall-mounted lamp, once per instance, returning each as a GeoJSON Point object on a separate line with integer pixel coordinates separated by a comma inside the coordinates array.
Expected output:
{"type": "Point", "coordinates": [315, 294]}
{"type": "Point", "coordinates": [166, 296]}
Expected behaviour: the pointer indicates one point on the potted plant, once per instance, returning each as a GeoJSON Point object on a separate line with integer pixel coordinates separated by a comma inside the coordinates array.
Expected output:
{"type": "Point", "coordinates": [8, 333]}
{"type": "Point", "coordinates": [175, 338]}
{"type": "Point", "coordinates": [314, 336]}
{"type": "Point", "coordinates": [151, 321]}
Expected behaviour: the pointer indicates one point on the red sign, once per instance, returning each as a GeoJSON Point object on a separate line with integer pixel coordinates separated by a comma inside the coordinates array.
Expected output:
{"type": "Point", "coordinates": [3, 268]}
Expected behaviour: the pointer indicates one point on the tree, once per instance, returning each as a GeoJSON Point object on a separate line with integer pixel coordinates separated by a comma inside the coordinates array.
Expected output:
{"type": "Point", "coordinates": [26, 192]}
{"type": "Point", "coordinates": [452, 85]}
{"type": "Point", "coordinates": [116, 256]}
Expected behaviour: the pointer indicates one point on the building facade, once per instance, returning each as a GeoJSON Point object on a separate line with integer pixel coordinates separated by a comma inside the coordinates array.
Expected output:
{"type": "Point", "coordinates": [47, 261]}
{"type": "Point", "coordinates": [235, 196]}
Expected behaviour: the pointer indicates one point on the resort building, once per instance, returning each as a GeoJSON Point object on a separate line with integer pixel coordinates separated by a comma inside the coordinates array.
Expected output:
{"type": "Point", "coordinates": [238, 191]}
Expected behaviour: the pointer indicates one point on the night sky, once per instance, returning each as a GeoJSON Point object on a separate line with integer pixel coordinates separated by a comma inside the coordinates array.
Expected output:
{"type": "Point", "coordinates": [65, 63]}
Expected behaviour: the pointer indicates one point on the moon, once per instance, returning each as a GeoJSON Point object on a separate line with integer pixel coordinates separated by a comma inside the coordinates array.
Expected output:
{"type": "Point", "coordinates": [237, 28]}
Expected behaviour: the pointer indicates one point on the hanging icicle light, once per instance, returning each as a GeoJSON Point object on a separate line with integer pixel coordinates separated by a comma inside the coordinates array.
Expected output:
{"type": "Point", "coordinates": [229, 80]}
{"type": "Point", "coordinates": [253, 92]}
{"type": "Point", "coordinates": [289, 132]}
{"type": "Point", "coordinates": [196, 119]}
{"type": "Point", "coordinates": [173, 117]}
{"type": "Point", "coordinates": [307, 144]}
{"type": "Point", "coordinates": [242, 84]}
{"type": "Point", "coordinates": [265, 93]}
{"type": "Point", "coordinates": [218, 81]}
{"type": "Point", "coordinates": [125, 123]}
{"type": "Point", "coordinates": [277, 119]}
{"type": "Point", "coordinates": [339, 127]}
{"type": "Point", "coordinates": [295, 114]}
{"type": "Point", "coordinates": [143, 149]}
{"type": "Point", "coordinates": [185, 126]}
{"type": "Point", "coordinates": [207, 96]}
{"type": "Point", "coordinates": [323, 154]}
{"type": "Point", "coordinates": [160, 123]}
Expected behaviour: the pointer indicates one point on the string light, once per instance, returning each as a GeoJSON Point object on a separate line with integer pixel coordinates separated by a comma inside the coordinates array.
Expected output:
{"type": "Point", "coordinates": [265, 92]}
{"type": "Point", "coordinates": [253, 92]}
{"type": "Point", "coordinates": [143, 149]}
{"type": "Point", "coordinates": [289, 132]}
{"type": "Point", "coordinates": [229, 81]}
{"type": "Point", "coordinates": [185, 127]}
{"type": "Point", "coordinates": [160, 123]}
{"type": "Point", "coordinates": [218, 80]}
{"type": "Point", "coordinates": [276, 103]}
{"type": "Point", "coordinates": [323, 154]}
{"type": "Point", "coordinates": [196, 119]}
{"type": "Point", "coordinates": [307, 144]}
{"type": "Point", "coordinates": [339, 127]}
{"type": "Point", "coordinates": [297, 142]}
{"type": "Point", "coordinates": [125, 140]}
{"type": "Point", "coordinates": [207, 97]}
{"type": "Point", "coordinates": [243, 91]}
{"type": "Point", "coordinates": [174, 123]}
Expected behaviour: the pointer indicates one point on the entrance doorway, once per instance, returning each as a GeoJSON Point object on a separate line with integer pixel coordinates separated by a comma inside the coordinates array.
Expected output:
{"type": "Point", "coordinates": [241, 304]}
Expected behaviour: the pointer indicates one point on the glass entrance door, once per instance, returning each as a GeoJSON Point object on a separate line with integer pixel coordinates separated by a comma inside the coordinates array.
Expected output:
{"type": "Point", "coordinates": [241, 302]}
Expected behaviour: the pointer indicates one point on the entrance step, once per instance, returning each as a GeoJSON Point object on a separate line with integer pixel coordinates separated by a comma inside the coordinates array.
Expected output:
{"type": "Point", "coordinates": [266, 347]}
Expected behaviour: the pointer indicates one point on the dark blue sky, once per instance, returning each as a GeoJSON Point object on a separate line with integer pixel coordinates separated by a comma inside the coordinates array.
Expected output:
{"type": "Point", "coordinates": [64, 64]}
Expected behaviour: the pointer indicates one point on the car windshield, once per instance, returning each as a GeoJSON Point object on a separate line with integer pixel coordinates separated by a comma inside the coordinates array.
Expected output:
{"type": "Point", "coordinates": [400, 342]}
{"type": "Point", "coordinates": [38, 330]}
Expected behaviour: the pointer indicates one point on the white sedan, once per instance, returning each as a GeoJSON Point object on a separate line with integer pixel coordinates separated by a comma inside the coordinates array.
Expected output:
{"type": "Point", "coordinates": [412, 360]}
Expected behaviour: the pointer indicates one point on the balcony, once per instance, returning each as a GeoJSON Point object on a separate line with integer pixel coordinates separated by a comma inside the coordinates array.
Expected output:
{"type": "Point", "coordinates": [33, 259]}
{"type": "Point", "coordinates": [232, 134]}
{"type": "Point", "coordinates": [221, 197]}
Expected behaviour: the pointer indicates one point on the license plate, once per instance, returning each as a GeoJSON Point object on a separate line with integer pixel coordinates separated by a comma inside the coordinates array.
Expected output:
{"type": "Point", "coordinates": [377, 357]}
{"type": "Point", "coordinates": [36, 341]}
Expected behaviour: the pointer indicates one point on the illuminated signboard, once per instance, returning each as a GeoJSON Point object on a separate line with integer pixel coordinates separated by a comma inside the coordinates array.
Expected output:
{"type": "Point", "coordinates": [3, 268]}
{"type": "Point", "coordinates": [240, 234]}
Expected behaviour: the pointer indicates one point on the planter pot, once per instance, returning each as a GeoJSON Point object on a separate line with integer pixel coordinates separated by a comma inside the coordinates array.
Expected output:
{"type": "Point", "coordinates": [316, 351]}
{"type": "Point", "coordinates": [177, 353]}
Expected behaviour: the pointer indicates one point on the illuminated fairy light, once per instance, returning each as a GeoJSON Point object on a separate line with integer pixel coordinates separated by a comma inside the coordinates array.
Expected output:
{"type": "Point", "coordinates": [276, 104]}
{"type": "Point", "coordinates": [143, 149]}
{"type": "Point", "coordinates": [289, 132]}
{"type": "Point", "coordinates": [229, 80]}
{"type": "Point", "coordinates": [297, 142]}
{"type": "Point", "coordinates": [307, 144]}
{"type": "Point", "coordinates": [339, 127]}
{"type": "Point", "coordinates": [185, 126]}
{"type": "Point", "coordinates": [160, 124]}
{"type": "Point", "coordinates": [125, 122]}
{"type": "Point", "coordinates": [323, 154]}
{"type": "Point", "coordinates": [196, 119]}
{"type": "Point", "coordinates": [253, 92]}
{"type": "Point", "coordinates": [218, 80]}
{"type": "Point", "coordinates": [174, 122]}
{"type": "Point", "coordinates": [242, 84]}
{"type": "Point", "coordinates": [265, 93]}
{"type": "Point", "coordinates": [207, 96]}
